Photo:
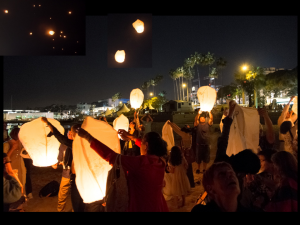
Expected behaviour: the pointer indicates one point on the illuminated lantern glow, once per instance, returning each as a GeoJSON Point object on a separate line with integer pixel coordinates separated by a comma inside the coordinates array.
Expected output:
{"type": "Point", "coordinates": [167, 135]}
{"type": "Point", "coordinates": [138, 26]}
{"type": "Point", "coordinates": [70, 12]}
{"type": "Point", "coordinates": [50, 18]}
{"type": "Point", "coordinates": [39, 5]}
{"type": "Point", "coordinates": [207, 97]}
{"type": "Point", "coordinates": [295, 105]}
{"type": "Point", "coordinates": [53, 47]}
{"type": "Point", "coordinates": [52, 39]}
{"type": "Point", "coordinates": [51, 32]}
{"type": "Point", "coordinates": [61, 32]}
{"type": "Point", "coordinates": [120, 56]}
{"type": "Point", "coordinates": [30, 33]}
{"type": "Point", "coordinates": [121, 122]}
{"type": "Point", "coordinates": [65, 36]}
{"type": "Point", "coordinates": [43, 150]}
{"type": "Point", "coordinates": [33, 5]}
{"type": "Point", "coordinates": [62, 49]}
{"type": "Point", "coordinates": [91, 169]}
{"type": "Point", "coordinates": [6, 11]}
{"type": "Point", "coordinates": [60, 35]}
{"type": "Point", "coordinates": [136, 98]}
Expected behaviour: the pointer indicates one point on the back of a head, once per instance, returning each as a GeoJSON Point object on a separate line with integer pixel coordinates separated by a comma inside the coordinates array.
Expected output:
{"type": "Point", "coordinates": [156, 145]}
{"type": "Point", "coordinates": [285, 127]}
{"type": "Point", "coordinates": [267, 154]}
{"type": "Point", "coordinates": [14, 133]}
{"type": "Point", "coordinates": [175, 156]}
{"type": "Point", "coordinates": [286, 163]}
{"type": "Point", "coordinates": [246, 162]}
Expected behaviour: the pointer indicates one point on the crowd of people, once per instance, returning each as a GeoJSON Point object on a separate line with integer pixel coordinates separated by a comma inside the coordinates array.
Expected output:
{"type": "Point", "coordinates": [246, 182]}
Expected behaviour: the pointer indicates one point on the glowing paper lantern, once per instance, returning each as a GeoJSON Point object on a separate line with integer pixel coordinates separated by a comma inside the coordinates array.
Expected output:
{"type": "Point", "coordinates": [121, 122]}
{"type": "Point", "coordinates": [6, 11]}
{"type": "Point", "coordinates": [138, 26]}
{"type": "Point", "coordinates": [295, 105]}
{"type": "Point", "coordinates": [120, 56]}
{"type": "Point", "coordinates": [30, 33]}
{"type": "Point", "coordinates": [91, 169]}
{"type": "Point", "coordinates": [207, 97]}
{"type": "Point", "coordinates": [43, 150]}
{"type": "Point", "coordinates": [51, 32]}
{"type": "Point", "coordinates": [136, 98]}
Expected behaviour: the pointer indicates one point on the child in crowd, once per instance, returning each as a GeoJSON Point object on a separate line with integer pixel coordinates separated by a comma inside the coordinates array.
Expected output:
{"type": "Point", "coordinates": [180, 183]}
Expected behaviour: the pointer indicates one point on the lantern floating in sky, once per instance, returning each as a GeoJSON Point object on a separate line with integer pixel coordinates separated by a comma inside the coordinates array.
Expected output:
{"type": "Point", "coordinates": [136, 98]}
{"type": "Point", "coordinates": [121, 122]}
{"type": "Point", "coordinates": [50, 18]}
{"type": "Point", "coordinates": [65, 36]}
{"type": "Point", "coordinates": [39, 5]}
{"type": "Point", "coordinates": [138, 26]}
{"type": "Point", "coordinates": [60, 35]}
{"type": "Point", "coordinates": [207, 97]}
{"type": "Point", "coordinates": [51, 32]}
{"type": "Point", "coordinates": [62, 49]}
{"type": "Point", "coordinates": [43, 150]}
{"type": "Point", "coordinates": [33, 5]}
{"type": "Point", "coordinates": [30, 33]}
{"type": "Point", "coordinates": [53, 47]}
{"type": "Point", "coordinates": [70, 12]}
{"type": "Point", "coordinates": [53, 39]}
{"type": "Point", "coordinates": [120, 56]}
{"type": "Point", "coordinates": [91, 169]}
{"type": "Point", "coordinates": [6, 11]}
{"type": "Point", "coordinates": [61, 32]}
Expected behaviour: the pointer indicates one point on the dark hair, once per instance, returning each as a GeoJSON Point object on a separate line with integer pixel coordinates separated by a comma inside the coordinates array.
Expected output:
{"type": "Point", "coordinates": [14, 133]}
{"type": "Point", "coordinates": [156, 145]}
{"type": "Point", "coordinates": [186, 129]}
{"type": "Point", "coordinates": [286, 127]}
{"type": "Point", "coordinates": [287, 164]}
{"type": "Point", "coordinates": [245, 161]}
{"type": "Point", "coordinates": [175, 156]}
{"type": "Point", "coordinates": [75, 126]}
{"type": "Point", "coordinates": [267, 154]}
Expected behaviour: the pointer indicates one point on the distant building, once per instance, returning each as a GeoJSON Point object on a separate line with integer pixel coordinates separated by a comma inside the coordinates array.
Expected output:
{"type": "Point", "coordinates": [84, 108]}
{"type": "Point", "coordinates": [120, 102]}
{"type": "Point", "coordinates": [268, 70]}
{"type": "Point", "coordinates": [177, 106]}
{"type": "Point", "coordinates": [26, 115]}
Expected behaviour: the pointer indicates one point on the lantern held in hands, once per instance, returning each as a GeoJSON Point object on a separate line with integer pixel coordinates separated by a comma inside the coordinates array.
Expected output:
{"type": "Point", "coordinates": [207, 97]}
{"type": "Point", "coordinates": [136, 98]}
{"type": "Point", "coordinates": [42, 149]}
{"type": "Point", "coordinates": [91, 169]}
{"type": "Point", "coordinates": [120, 56]}
{"type": "Point", "coordinates": [138, 26]}
{"type": "Point", "coordinates": [121, 122]}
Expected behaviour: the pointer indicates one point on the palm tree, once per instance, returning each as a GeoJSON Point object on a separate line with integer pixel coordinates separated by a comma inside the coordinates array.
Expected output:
{"type": "Point", "coordinates": [172, 75]}
{"type": "Point", "coordinates": [199, 59]}
{"type": "Point", "coordinates": [221, 64]}
{"type": "Point", "coordinates": [188, 72]}
{"type": "Point", "coordinates": [157, 80]}
{"type": "Point", "coordinates": [179, 73]}
{"type": "Point", "coordinates": [209, 59]}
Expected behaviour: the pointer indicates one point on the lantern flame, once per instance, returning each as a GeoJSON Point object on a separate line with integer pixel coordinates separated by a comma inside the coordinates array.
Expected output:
{"type": "Point", "coordinates": [120, 56]}
{"type": "Point", "coordinates": [138, 26]}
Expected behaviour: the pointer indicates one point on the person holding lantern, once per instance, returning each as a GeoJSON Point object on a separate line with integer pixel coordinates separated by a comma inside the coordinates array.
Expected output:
{"type": "Point", "coordinates": [130, 148]}
{"type": "Point", "coordinates": [202, 139]}
{"type": "Point", "coordinates": [145, 173]}
{"type": "Point", "coordinates": [67, 162]}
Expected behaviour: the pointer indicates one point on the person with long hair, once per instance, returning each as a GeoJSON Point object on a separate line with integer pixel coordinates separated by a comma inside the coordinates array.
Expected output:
{"type": "Point", "coordinates": [290, 137]}
{"type": "Point", "coordinates": [130, 148]}
{"type": "Point", "coordinates": [285, 196]}
{"type": "Point", "coordinates": [180, 183]}
{"type": "Point", "coordinates": [144, 173]}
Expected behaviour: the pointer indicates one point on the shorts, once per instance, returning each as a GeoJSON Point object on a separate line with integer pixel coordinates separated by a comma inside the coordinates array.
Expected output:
{"type": "Point", "coordinates": [202, 154]}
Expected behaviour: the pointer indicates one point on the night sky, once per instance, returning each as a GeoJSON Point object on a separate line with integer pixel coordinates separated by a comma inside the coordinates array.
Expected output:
{"type": "Point", "coordinates": [25, 28]}
{"type": "Point", "coordinates": [265, 41]}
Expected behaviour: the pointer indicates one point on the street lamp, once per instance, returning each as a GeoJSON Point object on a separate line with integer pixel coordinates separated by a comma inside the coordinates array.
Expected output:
{"type": "Point", "coordinates": [151, 93]}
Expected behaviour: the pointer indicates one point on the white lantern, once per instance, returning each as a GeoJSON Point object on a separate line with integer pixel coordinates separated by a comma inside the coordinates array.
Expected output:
{"type": "Point", "coordinates": [207, 97]}
{"type": "Point", "coordinates": [120, 56]}
{"type": "Point", "coordinates": [295, 105]}
{"type": "Point", "coordinates": [51, 32]}
{"type": "Point", "coordinates": [136, 98]}
{"type": "Point", "coordinates": [167, 135]}
{"type": "Point", "coordinates": [138, 26]}
{"type": "Point", "coordinates": [91, 169]}
{"type": "Point", "coordinates": [121, 122]}
{"type": "Point", "coordinates": [43, 150]}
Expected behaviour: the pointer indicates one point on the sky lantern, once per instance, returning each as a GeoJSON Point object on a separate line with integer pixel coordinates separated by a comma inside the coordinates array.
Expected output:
{"type": "Point", "coordinates": [207, 97]}
{"type": "Point", "coordinates": [65, 36]}
{"type": "Point", "coordinates": [53, 47]}
{"type": "Point", "coordinates": [50, 18]}
{"type": "Point", "coordinates": [70, 12]}
{"type": "Point", "coordinates": [6, 11]}
{"type": "Point", "coordinates": [120, 56]}
{"type": "Point", "coordinates": [121, 122]}
{"type": "Point", "coordinates": [33, 5]}
{"type": "Point", "coordinates": [91, 169]}
{"type": "Point", "coordinates": [43, 150]}
{"type": "Point", "coordinates": [61, 32]}
{"type": "Point", "coordinates": [136, 98]}
{"type": "Point", "coordinates": [295, 105]}
{"type": "Point", "coordinates": [51, 32]}
{"type": "Point", "coordinates": [138, 26]}
{"type": "Point", "coordinates": [30, 33]}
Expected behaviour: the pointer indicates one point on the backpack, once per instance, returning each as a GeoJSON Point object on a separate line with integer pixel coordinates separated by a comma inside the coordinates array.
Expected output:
{"type": "Point", "coordinates": [116, 198]}
{"type": "Point", "coordinates": [49, 190]}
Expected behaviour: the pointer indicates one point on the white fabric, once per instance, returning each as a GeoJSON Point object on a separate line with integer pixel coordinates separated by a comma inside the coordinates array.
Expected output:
{"type": "Point", "coordinates": [91, 169]}
{"type": "Point", "coordinates": [43, 150]}
{"type": "Point", "coordinates": [244, 131]}
{"type": "Point", "coordinates": [167, 135]}
{"type": "Point", "coordinates": [168, 188]}
{"type": "Point", "coordinates": [295, 105]}
{"type": "Point", "coordinates": [136, 98]}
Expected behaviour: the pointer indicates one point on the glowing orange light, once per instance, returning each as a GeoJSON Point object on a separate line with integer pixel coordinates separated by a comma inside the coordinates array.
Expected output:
{"type": "Point", "coordinates": [62, 49]}
{"type": "Point", "coordinates": [60, 35]}
{"type": "Point", "coordinates": [138, 26]}
{"type": "Point", "coordinates": [70, 12]}
{"type": "Point", "coordinates": [33, 5]}
{"type": "Point", "coordinates": [61, 32]}
{"type": "Point", "coordinates": [6, 11]}
{"type": "Point", "coordinates": [39, 5]}
{"type": "Point", "coordinates": [65, 36]}
{"type": "Point", "coordinates": [50, 18]}
{"type": "Point", "coordinates": [51, 32]}
{"type": "Point", "coordinates": [53, 47]}
{"type": "Point", "coordinates": [52, 39]}
{"type": "Point", "coordinates": [30, 33]}
{"type": "Point", "coordinates": [120, 56]}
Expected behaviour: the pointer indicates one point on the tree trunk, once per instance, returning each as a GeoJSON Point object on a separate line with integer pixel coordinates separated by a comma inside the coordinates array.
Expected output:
{"type": "Point", "coordinates": [182, 88]}
{"type": "Point", "coordinates": [174, 89]}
